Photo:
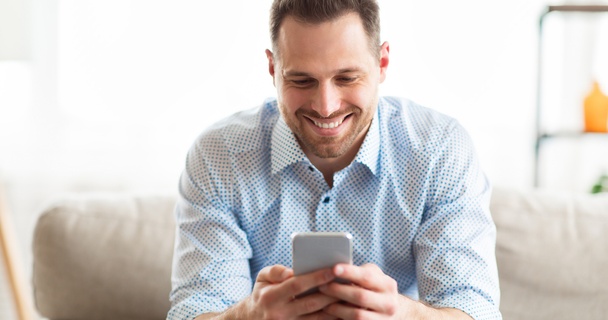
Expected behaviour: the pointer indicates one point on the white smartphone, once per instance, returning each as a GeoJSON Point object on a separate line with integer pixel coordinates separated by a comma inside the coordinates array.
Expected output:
{"type": "Point", "coordinates": [313, 251]}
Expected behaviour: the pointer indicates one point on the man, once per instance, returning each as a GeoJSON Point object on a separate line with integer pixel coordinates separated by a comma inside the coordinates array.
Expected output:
{"type": "Point", "coordinates": [330, 155]}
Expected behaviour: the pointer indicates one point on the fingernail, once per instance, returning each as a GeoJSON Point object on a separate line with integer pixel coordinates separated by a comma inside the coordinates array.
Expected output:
{"type": "Point", "coordinates": [338, 270]}
{"type": "Point", "coordinates": [285, 274]}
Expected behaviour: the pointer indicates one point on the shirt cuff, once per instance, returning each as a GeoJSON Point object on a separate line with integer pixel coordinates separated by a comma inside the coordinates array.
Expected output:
{"type": "Point", "coordinates": [194, 306]}
{"type": "Point", "coordinates": [473, 304]}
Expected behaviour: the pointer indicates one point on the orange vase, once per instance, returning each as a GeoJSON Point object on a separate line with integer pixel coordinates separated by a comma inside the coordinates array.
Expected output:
{"type": "Point", "coordinates": [596, 110]}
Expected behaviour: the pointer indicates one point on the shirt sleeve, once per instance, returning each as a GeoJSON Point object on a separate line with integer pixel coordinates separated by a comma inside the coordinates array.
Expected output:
{"type": "Point", "coordinates": [455, 244]}
{"type": "Point", "coordinates": [211, 257]}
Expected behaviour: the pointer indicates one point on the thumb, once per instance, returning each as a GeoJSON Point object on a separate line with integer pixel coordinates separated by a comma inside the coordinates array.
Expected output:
{"type": "Point", "coordinates": [275, 274]}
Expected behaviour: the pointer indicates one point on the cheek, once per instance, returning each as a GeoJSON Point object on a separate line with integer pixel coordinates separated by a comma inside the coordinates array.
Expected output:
{"type": "Point", "coordinates": [361, 96]}
{"type": "Point", "coordinates": [293, 99]}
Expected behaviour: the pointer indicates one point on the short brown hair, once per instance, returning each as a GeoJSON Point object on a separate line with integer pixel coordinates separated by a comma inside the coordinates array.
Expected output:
{"type": "Point", "coordinates": [318, 11]}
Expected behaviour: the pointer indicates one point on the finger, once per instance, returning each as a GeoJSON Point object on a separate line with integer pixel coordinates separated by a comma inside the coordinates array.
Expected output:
{"type": "Point", "coordinates": [274, 274]}
{"type": "Point", "coordinates": [310, 304]}
{"type": "Point", "coordinates": [368, 276]}
{"type": "Point", "coordinates": [344, 311]}
{"type": "Point", "coordinates": [293, 286]}
{"type": "Point", "coordinates": [299, 284]}
{"type": "Point", "coordinates": [267, 284]}
{"type": "Point", "coordinates": [358, 297]}
{"type": "Point", "coordinates": [318, 316]}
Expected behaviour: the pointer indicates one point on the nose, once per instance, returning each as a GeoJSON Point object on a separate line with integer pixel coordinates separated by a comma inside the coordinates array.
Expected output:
{"type": "Point", "coordinates": [326, 99]}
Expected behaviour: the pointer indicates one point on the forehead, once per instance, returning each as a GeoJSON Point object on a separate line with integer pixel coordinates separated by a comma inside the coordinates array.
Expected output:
{"type": "Point", "coordinates": [339, 43]}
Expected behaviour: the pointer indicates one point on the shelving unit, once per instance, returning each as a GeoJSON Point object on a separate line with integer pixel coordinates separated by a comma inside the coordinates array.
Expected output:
{"type": "Point", "coordinates": [541, 134]}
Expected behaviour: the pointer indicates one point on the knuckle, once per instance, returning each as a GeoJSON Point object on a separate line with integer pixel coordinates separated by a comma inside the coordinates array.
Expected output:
{"type": "Point", "coordinates": [296, 286]}
{"type": "Point", "coordinates": [393, 284]}
{"type": "Point", "coordinates": [275, 270]}
{"type": "Point", "coordinates": [264, 273]}
{"type": "Point", "coordinates": [317, 316]}
{"type": "Point", "coordinates": [264, 298]}
{"type": "Point", "coordinates": [274, 315]}
{"type": "Point", "coordinates": [368, 276]}
{"type": "Point", "coordinates": [392, 308]}
{"type": "Point", "coordinates": [330, 309]}
{"type": "Point", "coordinates": [359, 314]}
{"type": "Point", "coordinates": [371, 266]}
{"type": "Point", "coordinates": [360, 297]}
{"type": "Point", "coordinates": [310, 305]}
{"type": "Point", "coordinates": [323, 277]}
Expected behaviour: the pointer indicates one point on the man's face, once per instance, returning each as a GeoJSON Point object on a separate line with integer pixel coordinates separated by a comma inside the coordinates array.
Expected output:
{"type": "Point", "coordinates": [327, 83]}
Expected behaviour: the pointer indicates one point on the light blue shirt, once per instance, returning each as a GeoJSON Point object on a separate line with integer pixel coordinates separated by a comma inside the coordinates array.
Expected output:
{"type": "Point", "coordinates": [414, 199]}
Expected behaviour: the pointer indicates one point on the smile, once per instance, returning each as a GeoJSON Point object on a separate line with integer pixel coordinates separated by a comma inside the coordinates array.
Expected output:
{"type": "Point", "coordinates": [330, 125]}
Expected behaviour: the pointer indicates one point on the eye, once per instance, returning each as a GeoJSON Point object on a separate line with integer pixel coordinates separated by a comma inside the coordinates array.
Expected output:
{"type": "Point", "coordinates": [302, 82]}
{"type": "Point", "coordinates": [347, 79]}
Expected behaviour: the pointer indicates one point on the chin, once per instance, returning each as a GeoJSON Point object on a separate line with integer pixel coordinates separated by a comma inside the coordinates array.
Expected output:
{"type": "Point", "coordinates": [335, 150]}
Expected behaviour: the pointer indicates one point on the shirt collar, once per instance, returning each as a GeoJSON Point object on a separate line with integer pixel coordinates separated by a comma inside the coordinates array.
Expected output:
{"type": "Point", "coordinates": [370, 149]}
{"type": "Point", "coordinates": [285, 149]}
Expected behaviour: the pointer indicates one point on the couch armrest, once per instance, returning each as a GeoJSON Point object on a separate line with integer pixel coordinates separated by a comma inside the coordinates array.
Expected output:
{"type": "Point", "coordinates": [104, 257]}
{"type": "Point", "coordinates": [552, 254]}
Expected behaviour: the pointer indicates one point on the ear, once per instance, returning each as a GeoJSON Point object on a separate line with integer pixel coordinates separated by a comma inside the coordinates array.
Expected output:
{"type": "Point", "coordinates": [270, 58]}
{"type": "Point", "coordinates": [384, 50]}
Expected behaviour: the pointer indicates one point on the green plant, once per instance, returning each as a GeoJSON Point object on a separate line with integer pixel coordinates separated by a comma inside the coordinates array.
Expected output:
{"type": "Point", "coordinates": [601, 185]}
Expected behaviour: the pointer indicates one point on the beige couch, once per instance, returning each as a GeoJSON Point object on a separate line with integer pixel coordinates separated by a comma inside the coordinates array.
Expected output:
{"type": "Point", "coordinates": [109, 257]}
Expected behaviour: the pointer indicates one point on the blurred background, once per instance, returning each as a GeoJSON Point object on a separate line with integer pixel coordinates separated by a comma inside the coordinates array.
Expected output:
{"type": "Point", "coordinates": [107, 96]}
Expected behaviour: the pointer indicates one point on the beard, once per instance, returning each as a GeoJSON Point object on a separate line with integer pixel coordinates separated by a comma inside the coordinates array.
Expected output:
{"type": "Point", "coordinates": [359, 120]}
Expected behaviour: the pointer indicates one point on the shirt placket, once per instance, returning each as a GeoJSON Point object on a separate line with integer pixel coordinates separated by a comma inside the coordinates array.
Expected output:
{"type": "Point", "coordinates": [327, 207]}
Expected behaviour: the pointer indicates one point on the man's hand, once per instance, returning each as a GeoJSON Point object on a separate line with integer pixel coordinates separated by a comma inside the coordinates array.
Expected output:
{"type": "Point", "coordinates": [273, 297]}
{"type": "Point", "coordinates": [374, 295]}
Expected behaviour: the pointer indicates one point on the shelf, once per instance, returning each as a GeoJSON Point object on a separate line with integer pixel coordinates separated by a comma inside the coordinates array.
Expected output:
{"type": "Point", "coordinates": [572, 135]}
{"type": "Point", "coordinates": [575, 8]}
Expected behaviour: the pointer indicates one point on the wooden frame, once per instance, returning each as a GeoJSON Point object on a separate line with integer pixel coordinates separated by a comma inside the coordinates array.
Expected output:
{"type": "Point", "coordinates": [21, 297]}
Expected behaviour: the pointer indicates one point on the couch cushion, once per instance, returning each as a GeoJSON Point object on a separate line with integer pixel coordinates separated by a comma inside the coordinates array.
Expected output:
{"type": "Point", "coordinates": [104, 257]}
{"type": "Point", "coordinates": [552, 252]}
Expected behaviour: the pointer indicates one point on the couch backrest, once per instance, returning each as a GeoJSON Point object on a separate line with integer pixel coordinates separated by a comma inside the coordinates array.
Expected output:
{"type": "Point", "coordinates": [104, 257]}
{"type": "Point", "coordinates": [109, 257]}
{"type": "Point", "coordinates": [552, 254]}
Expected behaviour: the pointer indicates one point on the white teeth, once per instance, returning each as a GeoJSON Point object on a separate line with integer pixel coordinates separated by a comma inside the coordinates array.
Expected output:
{"type": "Point", "coordinates": [330, 125]}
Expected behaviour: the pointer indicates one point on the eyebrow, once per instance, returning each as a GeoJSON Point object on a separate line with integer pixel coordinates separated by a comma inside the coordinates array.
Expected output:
{"type": "Point", "coordinates": [306, 74]}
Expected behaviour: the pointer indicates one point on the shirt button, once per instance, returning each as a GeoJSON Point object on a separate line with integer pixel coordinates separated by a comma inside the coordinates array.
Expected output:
{"type": "Point", "coordinates": [326, 200]}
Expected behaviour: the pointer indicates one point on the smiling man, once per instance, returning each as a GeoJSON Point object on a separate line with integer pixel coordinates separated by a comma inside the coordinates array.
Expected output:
{"type": "Point", "coordinates": [329, 154]}
{"type": "Point", "coordinates": [327, 83]}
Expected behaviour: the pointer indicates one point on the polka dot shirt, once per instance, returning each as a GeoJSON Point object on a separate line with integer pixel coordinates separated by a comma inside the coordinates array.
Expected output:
{"type": "Point", "coordinates": [414, 199]}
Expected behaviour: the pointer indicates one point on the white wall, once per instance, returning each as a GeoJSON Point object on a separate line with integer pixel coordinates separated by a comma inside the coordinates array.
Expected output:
{"type": "Point", "coordinates": [113, 92]}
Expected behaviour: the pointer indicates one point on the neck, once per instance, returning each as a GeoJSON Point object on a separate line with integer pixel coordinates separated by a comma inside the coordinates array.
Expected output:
{"type": "Point", "coordinates": [329, 166]}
